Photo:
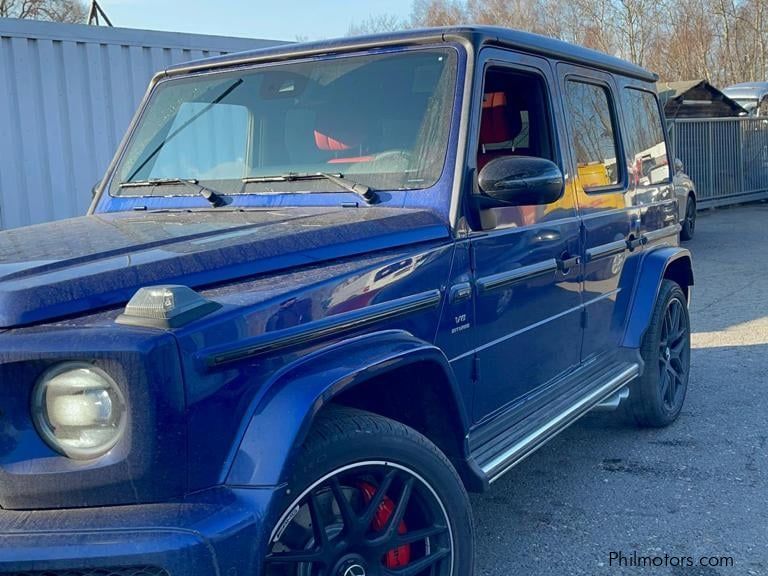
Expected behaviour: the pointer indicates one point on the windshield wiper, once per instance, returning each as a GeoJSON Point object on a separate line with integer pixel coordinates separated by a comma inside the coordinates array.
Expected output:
{"type": "Point", "coordinates": [184, 126]}
{"type": "Point", "coordinates": [215, 199]}
{"type": "Point", "coordinates": [365, 192]}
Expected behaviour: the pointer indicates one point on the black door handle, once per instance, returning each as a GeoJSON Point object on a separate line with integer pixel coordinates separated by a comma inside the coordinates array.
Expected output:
{"type": "Point", "coordinates": [633, 242]}
{"type": "Point", "coordinates": [566, 262]}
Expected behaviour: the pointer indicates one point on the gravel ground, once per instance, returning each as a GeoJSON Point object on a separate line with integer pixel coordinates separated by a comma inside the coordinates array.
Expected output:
{"type": "Point", "coordinates": [696, 489]}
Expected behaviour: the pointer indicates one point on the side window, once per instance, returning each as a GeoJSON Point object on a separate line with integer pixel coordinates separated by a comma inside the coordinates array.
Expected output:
{"type": "Point", "coordinates": [593, 135]}
{"type": "Point", "coordinates": [647, 159]}
{"type": "Point", "coordinates": [515, 117]}
{"type": "Point", "coordinates": [516, 120]}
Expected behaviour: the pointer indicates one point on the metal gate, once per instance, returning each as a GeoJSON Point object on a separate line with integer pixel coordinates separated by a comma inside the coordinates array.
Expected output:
{"type": "Point", "coordinates": [727, 158]}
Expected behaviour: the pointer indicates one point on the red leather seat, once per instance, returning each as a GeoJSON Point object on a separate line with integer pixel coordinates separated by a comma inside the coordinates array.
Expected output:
{"type": "Point", "coordinates": [498, 124]}
{"type": "Point", "coordinates": [341, 136]}
{"type": "Point", "coordinates": [325, 142]}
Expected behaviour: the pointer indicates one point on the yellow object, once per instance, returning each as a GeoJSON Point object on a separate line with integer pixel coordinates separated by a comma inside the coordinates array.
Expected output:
{"type": "Point", "coordinates": [593, 175]}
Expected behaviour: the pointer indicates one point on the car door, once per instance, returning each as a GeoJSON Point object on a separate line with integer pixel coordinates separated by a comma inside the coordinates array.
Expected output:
{"type": "Point", "coordinates": [525, 259]}
{"type": "Point", "coordinates": [610, 219]}
{"type": "Point", "coordinates": [649, 165]}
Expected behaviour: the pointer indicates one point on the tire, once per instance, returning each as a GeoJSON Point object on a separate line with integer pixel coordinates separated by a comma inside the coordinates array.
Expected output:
{"type": "Point", "coordinates": [328, 524]}
{"type": "Point", "coordinates": [689, 223]}
{"type": "Point", "coordinates": [657, 397]}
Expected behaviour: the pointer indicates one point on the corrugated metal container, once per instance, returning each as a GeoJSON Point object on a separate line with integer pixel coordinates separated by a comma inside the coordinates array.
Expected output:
{"type": "Point", "coordinates": [67, 94]}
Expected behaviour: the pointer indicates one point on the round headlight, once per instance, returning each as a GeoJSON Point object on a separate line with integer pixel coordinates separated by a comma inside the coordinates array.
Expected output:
{"type": "Point", "coordinates": [79, 410]}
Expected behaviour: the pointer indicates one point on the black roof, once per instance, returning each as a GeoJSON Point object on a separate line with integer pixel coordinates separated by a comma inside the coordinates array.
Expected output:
{"type": "Point", "coordinates": [696, 99]}
{"type": "Point", "coordinates": [476, 35]}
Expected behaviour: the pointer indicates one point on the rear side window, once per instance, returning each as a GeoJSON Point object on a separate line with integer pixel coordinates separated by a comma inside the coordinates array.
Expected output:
{"type": "Point", "coordinates": [593, 135]}
{"type": "Point", "coordinates": [647, 158]}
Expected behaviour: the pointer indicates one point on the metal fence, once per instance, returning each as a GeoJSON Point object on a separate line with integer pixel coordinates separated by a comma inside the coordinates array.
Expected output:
{"type": "Point", "coordinates": [727, 158]}
{"type": "Point", "coordinates": [67, 93]}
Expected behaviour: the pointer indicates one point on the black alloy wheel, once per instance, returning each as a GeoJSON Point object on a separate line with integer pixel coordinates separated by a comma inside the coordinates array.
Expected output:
{"type": "Point", "coordinates": [674, 355]}
{"type": "Point", "coordinates": [689, 224]}
{"type": "Point", "coordinates": [372, 518]}
{"type": "Point", "coordinates": [657, 397]}
{"type": "Point", "coordinates": [369, 497]}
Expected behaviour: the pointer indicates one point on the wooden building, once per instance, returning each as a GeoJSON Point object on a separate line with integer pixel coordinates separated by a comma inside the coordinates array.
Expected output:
{"type": "Point", "coordinates": [696, 99]}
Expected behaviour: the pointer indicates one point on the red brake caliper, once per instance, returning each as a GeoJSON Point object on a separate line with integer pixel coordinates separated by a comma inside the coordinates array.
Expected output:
{"type": "Point", "coordinates": [400, 556]}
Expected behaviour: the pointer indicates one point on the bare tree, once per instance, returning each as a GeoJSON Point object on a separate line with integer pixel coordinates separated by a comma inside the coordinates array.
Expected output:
{"type": "Point", "coordinates": [686, 48]}
{"type": "Point", "coordinates": [425, 13]}
{"type": "Point", "coordinates": [73, 11]}
{"type": "Point", "coordinates": [378, 23]}
{"type": "Point", "coordinates": [740, 46]}
{"type": "Point", "coordinates": [750, 32]}
{"type": "Point", "coordinates": [637, 27]}
{"type": "Point", "coordinates": [521, 14]}
{"type": "Point", "coordinates": [438, 13]}
{"type": "Point", "coordinates": [722, 41]}
{"type": "Point", "coordinates": [724, 12]}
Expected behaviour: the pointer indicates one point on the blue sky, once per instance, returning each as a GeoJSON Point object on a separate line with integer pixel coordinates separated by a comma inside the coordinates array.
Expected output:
{"type": "Point", "coordinates": [280, 20]}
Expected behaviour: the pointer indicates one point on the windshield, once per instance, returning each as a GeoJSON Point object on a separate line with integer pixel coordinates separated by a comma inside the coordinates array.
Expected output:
{"type": "Point", "coordinates": [382, 120]}
{"type": "Point", "coordinates": [749, 104]}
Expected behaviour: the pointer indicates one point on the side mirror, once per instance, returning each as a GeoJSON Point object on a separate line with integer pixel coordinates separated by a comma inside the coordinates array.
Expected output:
{"type": "Point", "coordinates": [520, 181]}
{"type": "Point", "coordinates": [678, 165]}
{"type": "Point", "coordinates": [95, 189]}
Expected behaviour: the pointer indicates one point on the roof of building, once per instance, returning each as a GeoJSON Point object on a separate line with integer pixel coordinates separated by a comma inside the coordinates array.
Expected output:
{"type": "Point", "coordinates": [108, 35]}
{"type": "Point", "coordinates": [696, 98]}
{"type": "Point", "coordinates": [477, 36]}
{"type": "Point", "coordinates": [669, 90]}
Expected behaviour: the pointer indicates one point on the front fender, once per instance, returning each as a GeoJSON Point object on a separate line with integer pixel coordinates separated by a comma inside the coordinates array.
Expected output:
{"type": "Point", "coordinates": [284, 414]}
{"type": "Point", "coordinates": [667, 262]}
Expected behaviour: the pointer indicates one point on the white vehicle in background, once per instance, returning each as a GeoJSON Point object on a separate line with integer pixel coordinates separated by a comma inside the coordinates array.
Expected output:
{"type": "Point", "coordinates": [752, 96]}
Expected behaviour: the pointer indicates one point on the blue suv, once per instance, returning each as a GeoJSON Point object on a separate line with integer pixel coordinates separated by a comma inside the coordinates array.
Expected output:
{"type": "Point", "coordinates": [325, 289]}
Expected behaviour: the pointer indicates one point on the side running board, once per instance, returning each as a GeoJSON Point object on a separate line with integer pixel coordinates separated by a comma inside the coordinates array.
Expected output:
{"type": "Point", "coordinates": [502, 453]}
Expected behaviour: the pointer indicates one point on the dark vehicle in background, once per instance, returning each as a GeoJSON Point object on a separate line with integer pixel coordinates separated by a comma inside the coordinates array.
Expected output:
{"type": "Point", "coordinates": [325, 289]}
{"type": "Point", "coordinates": [752, 96]}
{"type": "Point", "coordinates": [686, 200]}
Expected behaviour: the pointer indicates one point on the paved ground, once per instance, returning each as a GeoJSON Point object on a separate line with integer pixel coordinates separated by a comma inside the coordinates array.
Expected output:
{"type": "Point", "coordinates": [698, 488]}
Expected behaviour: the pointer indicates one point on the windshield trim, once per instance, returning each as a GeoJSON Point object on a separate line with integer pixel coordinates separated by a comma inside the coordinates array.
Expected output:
{"type": "Point", "coordinates": [455, 96]}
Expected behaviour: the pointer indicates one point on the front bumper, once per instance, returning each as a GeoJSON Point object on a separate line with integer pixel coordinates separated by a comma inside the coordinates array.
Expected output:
{"type": "Point", "coordinates": [218, 532]}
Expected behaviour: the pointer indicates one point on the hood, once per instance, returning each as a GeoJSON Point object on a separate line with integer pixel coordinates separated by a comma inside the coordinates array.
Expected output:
{"type": "Point", "coordinates": [73, 266]}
